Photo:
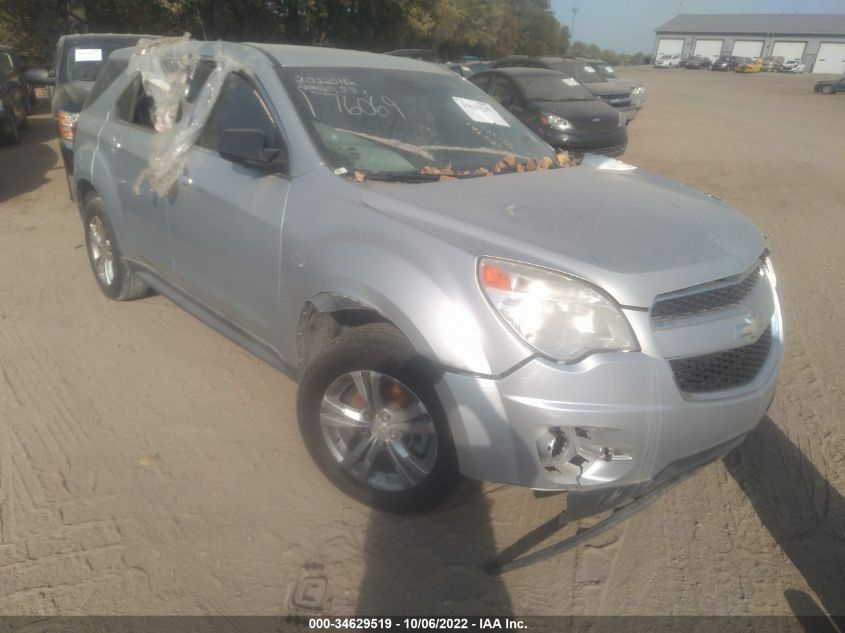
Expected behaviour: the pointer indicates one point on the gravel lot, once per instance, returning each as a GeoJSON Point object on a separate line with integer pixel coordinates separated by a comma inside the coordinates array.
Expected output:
{"type": "Point", "coordinates": [149, 466]}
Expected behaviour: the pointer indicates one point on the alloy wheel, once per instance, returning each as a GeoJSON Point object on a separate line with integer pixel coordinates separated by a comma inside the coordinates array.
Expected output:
{"type": "Point", "coordinates": [102, 255]}
{"type": "Point", "coordinates": [378, 430]}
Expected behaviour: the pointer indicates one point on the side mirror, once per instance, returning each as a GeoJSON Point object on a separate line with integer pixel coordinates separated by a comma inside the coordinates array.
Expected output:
{"type": "Point", "coordinates": [39, 77]}
{"type": "Point", "coordinates": [247, 147]}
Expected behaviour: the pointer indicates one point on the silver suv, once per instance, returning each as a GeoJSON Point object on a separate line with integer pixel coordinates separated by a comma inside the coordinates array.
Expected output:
{"type": "Point", "coordinates": [451, 300]}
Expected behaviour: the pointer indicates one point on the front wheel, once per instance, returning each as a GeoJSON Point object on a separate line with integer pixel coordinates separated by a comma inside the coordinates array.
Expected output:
{"type": "Point", "coordinates": [828, 90]}
{"type": "Point", "coordinates": [371, 418]}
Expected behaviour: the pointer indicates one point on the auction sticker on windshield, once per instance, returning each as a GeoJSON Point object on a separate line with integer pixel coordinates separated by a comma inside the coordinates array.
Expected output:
{"type": "Point", "coordinates": [480, 111]}
{"type": "Point", "coordinates": [88, 55]}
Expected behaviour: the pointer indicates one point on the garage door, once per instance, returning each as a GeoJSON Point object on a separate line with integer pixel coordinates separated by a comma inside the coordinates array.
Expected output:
{"type": "Point", "coordinates": [831, 59]}
{"type": "Point", "coordinates": [747, 48]}
{"type": "Point", "coordinates": [709, 48]}
{"type": "Point", "coordinates": [789, 50]}
{"type": "Point", "coordinates": [668, 46]}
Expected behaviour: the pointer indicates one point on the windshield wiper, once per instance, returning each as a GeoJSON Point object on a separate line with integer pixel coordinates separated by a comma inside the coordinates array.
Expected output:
{"type": "Point", "coordinates": [400, 176]}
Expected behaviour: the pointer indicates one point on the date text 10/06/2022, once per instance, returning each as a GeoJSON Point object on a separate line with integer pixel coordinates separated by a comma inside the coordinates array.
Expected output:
{"type": "Point", "coordinates": [416, 624]}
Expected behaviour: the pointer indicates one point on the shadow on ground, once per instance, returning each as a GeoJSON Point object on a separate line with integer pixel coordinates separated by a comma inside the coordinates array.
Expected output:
{"type": "Point", "coordinates": [431, 564]}
{"type": "Point", "coordinates": [24, 167]}
{"type": "Point", "coordinates": [801, 510]}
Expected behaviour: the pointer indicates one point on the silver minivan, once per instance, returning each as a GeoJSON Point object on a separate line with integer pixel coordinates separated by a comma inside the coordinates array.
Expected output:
{"type": "Point", "coordinates": [452, 297]}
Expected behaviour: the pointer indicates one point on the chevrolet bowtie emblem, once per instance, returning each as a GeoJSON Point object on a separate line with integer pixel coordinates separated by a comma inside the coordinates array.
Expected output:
{"type": "Point", "coordinates": [748, 328]}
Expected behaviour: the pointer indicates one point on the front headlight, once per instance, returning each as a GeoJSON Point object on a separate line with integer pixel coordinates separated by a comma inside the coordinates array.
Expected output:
{"type": "Point", "coordinates": [639, 90]}
{"type": "Point", "coordinates": [557, 122]}
{"type": "Point", "coordinates": [560, 316]}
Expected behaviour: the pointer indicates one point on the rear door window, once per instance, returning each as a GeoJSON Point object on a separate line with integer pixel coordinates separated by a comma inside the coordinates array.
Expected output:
{"type": "Point", "coordinates": [135, 106]}
{"type": "Point", "coordinates": [106, 78]}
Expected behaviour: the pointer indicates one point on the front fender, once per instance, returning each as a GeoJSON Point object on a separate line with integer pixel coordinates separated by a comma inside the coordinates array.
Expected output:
{"type": "Point", "coordinates": [434, 300]}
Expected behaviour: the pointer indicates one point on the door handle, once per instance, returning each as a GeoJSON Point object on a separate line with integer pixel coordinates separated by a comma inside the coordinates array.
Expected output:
{"type": "Point", "coordinates": [186, 180]}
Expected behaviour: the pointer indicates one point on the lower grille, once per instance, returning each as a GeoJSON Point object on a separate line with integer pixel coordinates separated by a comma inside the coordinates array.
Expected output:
{"type": "Point", "coordinates": [613, 150]}
{"type": "Point", "coordinates": [722, 370]}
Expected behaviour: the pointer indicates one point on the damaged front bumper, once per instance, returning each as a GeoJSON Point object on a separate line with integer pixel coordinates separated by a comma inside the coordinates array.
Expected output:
{"type": "Point", "coordinates": [613, 421]}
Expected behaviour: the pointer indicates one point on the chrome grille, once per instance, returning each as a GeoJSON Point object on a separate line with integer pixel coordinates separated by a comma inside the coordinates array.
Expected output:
{"type": "Point", "coordinates": [722, 370]}
{"type": "Point", "coordinates": [696, 303]}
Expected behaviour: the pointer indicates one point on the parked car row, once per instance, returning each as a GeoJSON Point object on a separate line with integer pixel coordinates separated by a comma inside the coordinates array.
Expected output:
{"type": "Point", "coordinates": [585, 108]}
{"type": "Point", "coordinates": [730, 63]}
{"type": "Point", "coordinates": [450, 302]}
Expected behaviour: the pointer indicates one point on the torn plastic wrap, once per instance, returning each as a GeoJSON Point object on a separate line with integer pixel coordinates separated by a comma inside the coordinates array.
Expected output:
{"type": "Point", "coordinates": [167, 67]}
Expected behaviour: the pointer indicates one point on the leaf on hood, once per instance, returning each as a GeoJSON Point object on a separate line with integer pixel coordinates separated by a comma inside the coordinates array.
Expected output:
{"type": "Point", "coordinates": [530, 164]}
{"type": "Point", "coordinates": [545, 163]}
{"type": "Point", "coordinates": [564, 159]}
{"type": "Point", "coordinates": [446, 177]}
{"type": "Point", "coordinates": [359, 176]}
{"type": "Point", "coordinates": [510, 161]}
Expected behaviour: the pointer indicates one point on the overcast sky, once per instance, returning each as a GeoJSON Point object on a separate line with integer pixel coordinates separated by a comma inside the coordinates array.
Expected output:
{"type": "Point", "coordinates": [627, 26]}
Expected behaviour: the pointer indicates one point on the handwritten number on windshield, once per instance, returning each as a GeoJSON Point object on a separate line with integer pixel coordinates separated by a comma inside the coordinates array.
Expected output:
{"type": "Point", "coordinates": [349, 104]}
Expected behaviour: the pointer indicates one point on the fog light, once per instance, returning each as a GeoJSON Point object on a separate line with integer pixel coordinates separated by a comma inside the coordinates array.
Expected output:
{"type": "Point", "coordinates": [553, 447]}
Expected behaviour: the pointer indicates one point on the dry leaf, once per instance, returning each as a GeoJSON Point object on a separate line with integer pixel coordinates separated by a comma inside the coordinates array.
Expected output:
{"type": "Point", "coordinates": [530, 164]}
{"type": "Point", "coordinates": [149, 459]}
{"type": "Point", "coordinates": [564, 159]}
{"type": "Point", "coordinates": [359, 176]}
{"type": "Point", "coordinates": [545, 163]}
{"type": "Point", "coordinates": [510, 160]}
{"type": "Point", "coordinates": [445, 177]}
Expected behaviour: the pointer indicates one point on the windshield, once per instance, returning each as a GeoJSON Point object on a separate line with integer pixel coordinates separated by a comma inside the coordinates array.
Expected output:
{"type": "Point", "coordinates": [551, 87]}
{"type": "Point", "coordinates": [606, 71]}
{"type": "Point", "coordinates": [84, 60]}
{"type": "Point", "coordinates": [582, 72]}
{"type": "Point", "coordinates": [375, 121]}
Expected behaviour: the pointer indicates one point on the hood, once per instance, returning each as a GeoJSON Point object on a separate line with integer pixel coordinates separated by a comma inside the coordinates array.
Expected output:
{"type": "Point", "coordinates": [584, 115]}
{"type": "Point", "coordinates": [609, 89]}
{"type": "Point", "coordinates": [632, 233]}
{"type": "Point", "coordinates": [630, 84]}
{"type": "Point", "coordinates": [71, 96]}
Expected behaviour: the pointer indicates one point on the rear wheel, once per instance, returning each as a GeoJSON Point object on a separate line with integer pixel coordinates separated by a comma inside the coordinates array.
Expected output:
{"type": "Point", "coordinates": [828, 90]}
{"type": "Point", "coordinates": [371, 418]}
{"type": "Point", "coordinates": [113, 276]}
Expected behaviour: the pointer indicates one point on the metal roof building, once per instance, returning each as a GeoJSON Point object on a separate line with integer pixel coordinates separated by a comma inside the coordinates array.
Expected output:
{"type": "Point", "coordinates": [817, 40]}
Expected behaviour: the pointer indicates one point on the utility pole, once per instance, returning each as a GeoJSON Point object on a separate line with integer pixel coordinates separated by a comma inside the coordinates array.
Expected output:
{"type": "Point", "coordinates": [575, 10]}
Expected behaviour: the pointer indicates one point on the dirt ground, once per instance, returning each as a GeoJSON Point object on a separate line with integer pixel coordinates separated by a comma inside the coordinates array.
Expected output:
{"type": "Point", "coordinates": [149, 466]}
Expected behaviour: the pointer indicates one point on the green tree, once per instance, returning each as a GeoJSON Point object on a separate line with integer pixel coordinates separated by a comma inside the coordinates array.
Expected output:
{"type": "Point", "coordinates": [564, 39]}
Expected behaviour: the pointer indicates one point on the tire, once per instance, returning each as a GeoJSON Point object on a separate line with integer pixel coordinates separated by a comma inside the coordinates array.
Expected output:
{"type": "Point", "coordinates": [13, 134]}
{"type": "Point", "coordinates": [828, 90]}
{"type": "Point", "coordinates": [388, 468]}
{"type": "Point", "coordinates": [110, 270]}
